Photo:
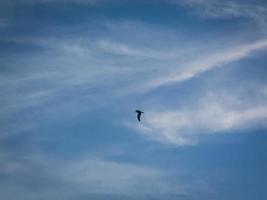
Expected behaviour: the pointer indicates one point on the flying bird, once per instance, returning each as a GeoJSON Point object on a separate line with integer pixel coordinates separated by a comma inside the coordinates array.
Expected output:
{"type": "Point", "coordinates": [139, 114]}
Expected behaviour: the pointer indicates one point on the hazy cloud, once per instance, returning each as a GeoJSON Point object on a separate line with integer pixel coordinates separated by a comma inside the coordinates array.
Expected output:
{"type": "Point", "coordinates": [214, 113]}
{"type": "Point", "coordinates": [208, 62]}
{"type": "Point", "coordinates": [255, 10]}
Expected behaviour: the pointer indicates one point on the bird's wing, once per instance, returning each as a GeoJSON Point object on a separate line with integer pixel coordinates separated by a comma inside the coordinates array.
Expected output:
{"type": "Point", "coordinates": [138, 116]}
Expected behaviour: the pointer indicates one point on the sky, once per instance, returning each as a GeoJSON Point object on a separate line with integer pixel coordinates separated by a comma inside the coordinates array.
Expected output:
{"type": "Point", "coordinates": [73, 72]}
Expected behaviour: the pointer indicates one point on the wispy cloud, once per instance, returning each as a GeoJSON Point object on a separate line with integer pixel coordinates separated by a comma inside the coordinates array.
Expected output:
{"type": "Point", "coordinates": [228, 9]}
{"type": "Point", "coordinates": [208, 62]}
{"type": "Point", "coordinates": [83, 65]}
{"type": "Point", "coordinates": [126, 50]}
{"type": "Point", "coordinates": [87, 176]}
{"type": "Point", "coordinates": [83, 69]}
{"type": "Point", "coordinates": [112, 177]}
{"type": "Point", "coordinates": [215, 113]}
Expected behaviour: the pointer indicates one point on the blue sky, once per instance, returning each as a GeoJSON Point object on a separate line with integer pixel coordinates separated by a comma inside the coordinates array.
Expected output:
{"type": "Point", "coordinates": [73, 72]}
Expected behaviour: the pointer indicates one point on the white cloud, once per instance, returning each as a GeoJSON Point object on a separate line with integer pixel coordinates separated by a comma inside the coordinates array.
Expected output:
{"type": "Point", "coordinates": [227, 9]}
{"type": "Point", "coordinates": [81, 176]}
{"type": "Point", "coordinates": [126, 50]}
{"type": "Point", "coordinates": [89, 176]}
{"type": "Point", "coordinates": [213, 114]}
{"type": "Point", "coordinates": [102, 176]}
{"type": "Point", "coordinates": [82, 70]}
{"type": "Point", "coordinates": [206, 63]}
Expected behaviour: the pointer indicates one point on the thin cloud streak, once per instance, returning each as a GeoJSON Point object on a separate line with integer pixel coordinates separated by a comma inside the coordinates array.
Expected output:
{"type": "Point", "coordinates": [92, 67]}
{"type": "Point", "coordinates": [83, 176]}
{"type": "Point", "coordinates": [209, 62]}
{"type": "Point", "coordinates": [93, 77]}
{"type": "Point", "coordinates": [215, 9]}
{"type": "Point", "coordinates": [126, 50]}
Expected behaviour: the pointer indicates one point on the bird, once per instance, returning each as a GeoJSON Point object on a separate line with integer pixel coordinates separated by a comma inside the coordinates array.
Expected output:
{"type": "Point", "coordinates": [139, 115]}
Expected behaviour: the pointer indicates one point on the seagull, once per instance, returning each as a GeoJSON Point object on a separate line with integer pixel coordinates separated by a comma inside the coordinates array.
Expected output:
{"type": "Point", "coordinates": [139, 114]}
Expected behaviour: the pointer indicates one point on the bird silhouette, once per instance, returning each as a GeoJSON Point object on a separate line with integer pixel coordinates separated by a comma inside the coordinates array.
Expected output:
{"type": "Point", "coordinates": [139, 114]}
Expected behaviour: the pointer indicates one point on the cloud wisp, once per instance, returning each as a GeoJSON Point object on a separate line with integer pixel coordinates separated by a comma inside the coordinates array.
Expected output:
{"type": "Point", "coordinates": [87, 176]}
{"type": "Point", "coordinates": [208, 62]}
{"type": "Point", "coordinates": [215, 9]}
{"type": "Point", "coordinates": [210, 116]}
{"type": "Point", "coordinates": [86, 75]}
{"type": "Point", "coordinates": [85, 69]}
